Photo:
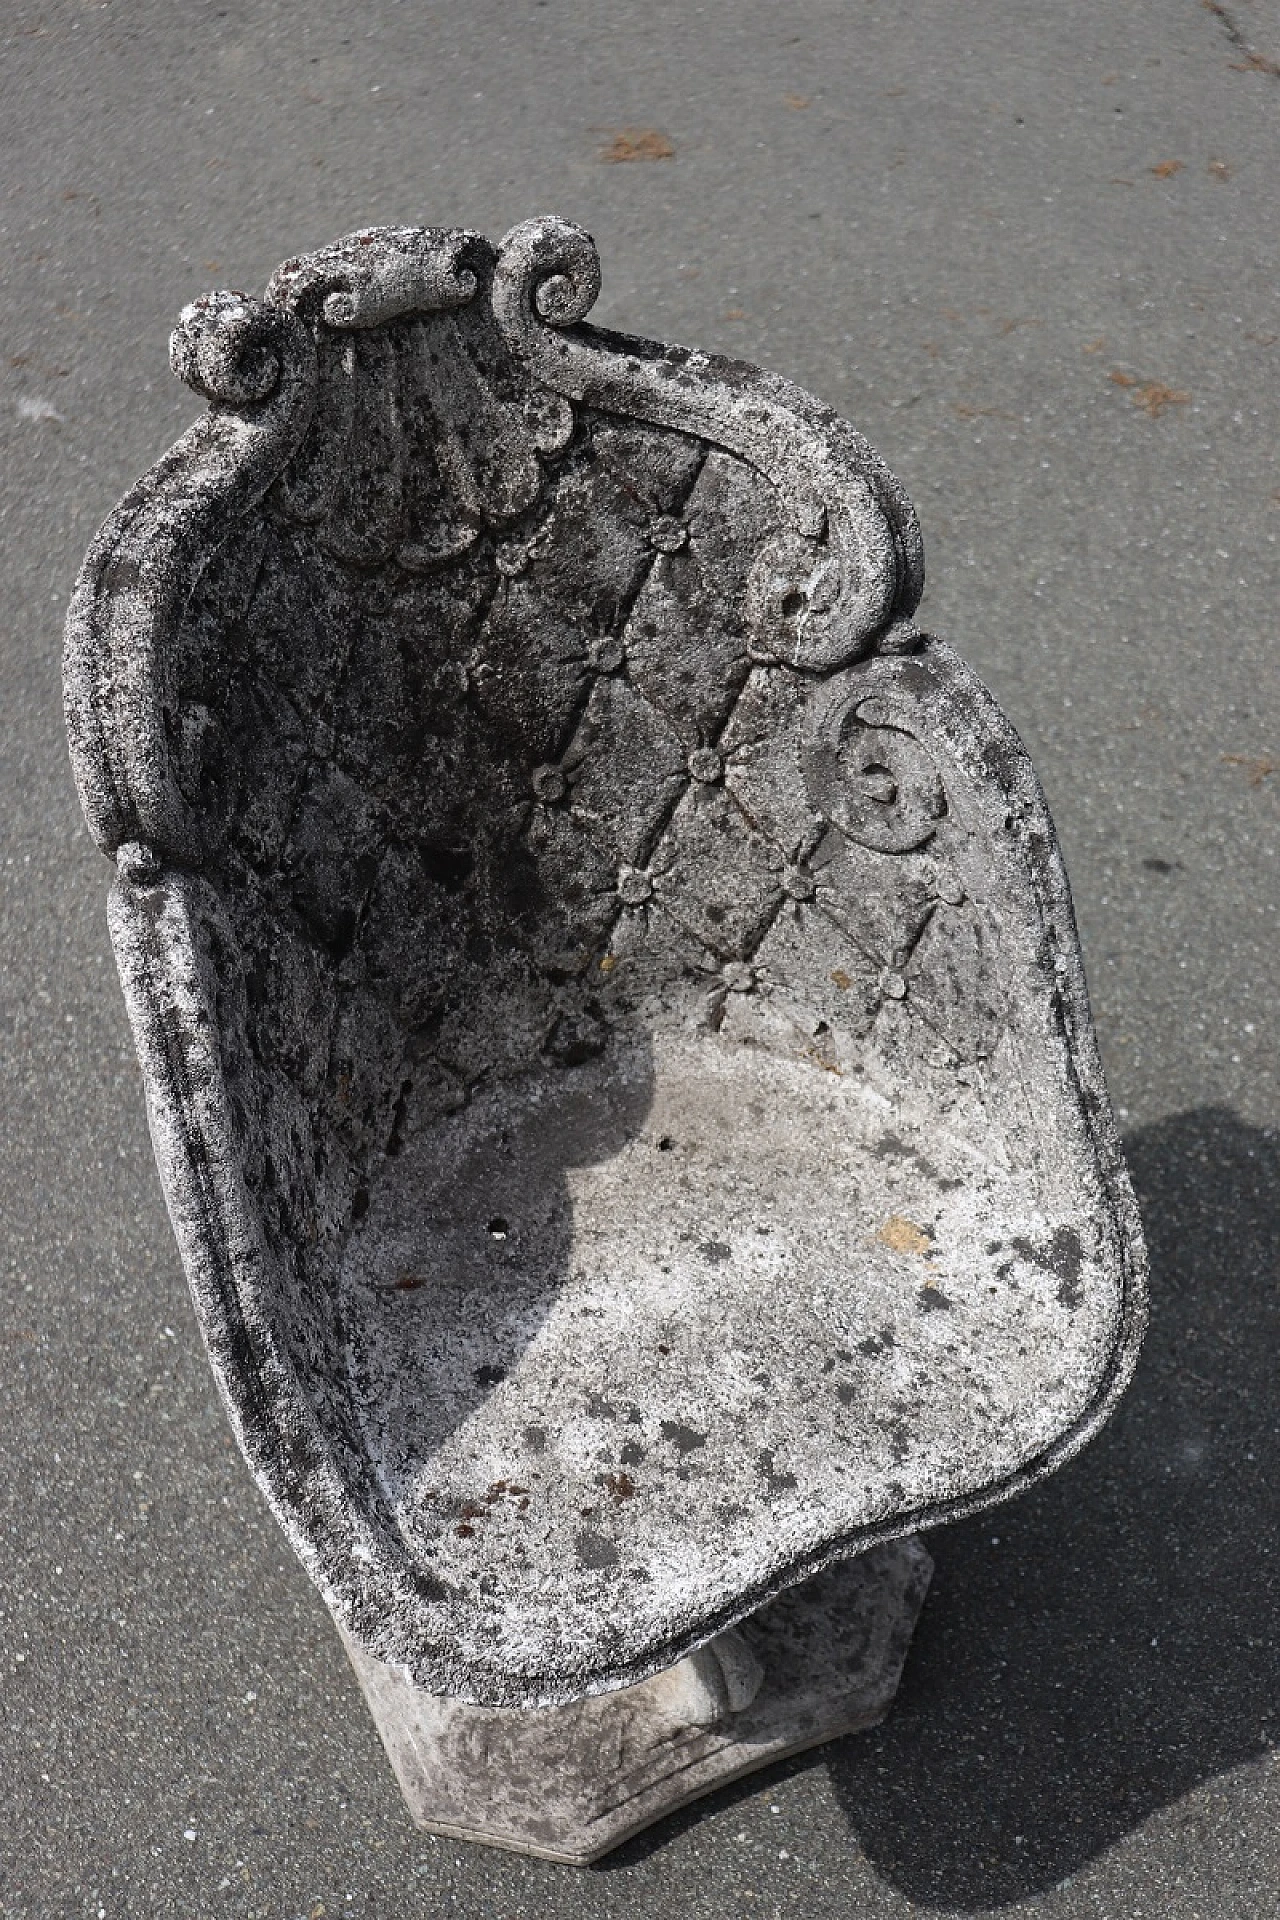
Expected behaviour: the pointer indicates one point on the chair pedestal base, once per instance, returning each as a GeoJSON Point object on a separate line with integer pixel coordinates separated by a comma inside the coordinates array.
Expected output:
{"type": "Point", "coordinates": [568, 1783]}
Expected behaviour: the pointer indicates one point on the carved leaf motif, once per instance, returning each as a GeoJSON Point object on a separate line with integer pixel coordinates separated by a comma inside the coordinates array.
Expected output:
{"type": "Point", "coordinates": [364, 526]}
{"type": "Point", "coordinates": [484, 447]}
{"type": "Point", "coordinates": [304, 492]}
{"type": "Point", "coordinates": [433, 530]}
{"type": "Point", "coordinates": [424, 432]}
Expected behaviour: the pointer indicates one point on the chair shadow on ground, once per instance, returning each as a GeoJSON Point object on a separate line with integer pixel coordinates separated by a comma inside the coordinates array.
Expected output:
{"type": "Point", "coordinates": [1096, 1649]}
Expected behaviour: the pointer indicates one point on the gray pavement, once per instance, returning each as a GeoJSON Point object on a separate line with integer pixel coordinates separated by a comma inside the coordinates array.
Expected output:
{"type": "Point", "coordinates": [1031, 251]}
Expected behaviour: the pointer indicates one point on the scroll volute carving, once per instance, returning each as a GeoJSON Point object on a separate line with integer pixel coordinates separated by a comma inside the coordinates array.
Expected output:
{"type": "Point", "coordinates": [867, 774]}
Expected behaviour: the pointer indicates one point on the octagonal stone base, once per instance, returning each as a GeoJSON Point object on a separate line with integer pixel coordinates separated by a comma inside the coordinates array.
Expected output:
{"type": "Point", "coordinates": [568, 1783]}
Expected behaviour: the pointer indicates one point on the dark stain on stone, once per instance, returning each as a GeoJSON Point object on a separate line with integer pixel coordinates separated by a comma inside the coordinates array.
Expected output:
{"type": "Point", "coordinates": [876, 1344]}
{"type": "Point", "coordinates": [599, 1408]}
{"type": "Point", "coordinates": [577, 1038]}
{"type": "Point", "coordinates": [890, 1147]}
{"type": "Point", "coordinates": [932, 1300]}
{"type": "Point", "coordinates": [593, 1550]}
{"type": "Point", "coordinates": [488, 1376]}
{"type": "Point", "coordinates": [631, 1454]}
{"type": "Point", "coordinates": [122, 572]}
{"type": "Point", "coordinates": [778, 1482]}
{"type": "Point", "coordinates": [535, 1438]}
{"type": "Point", "coordinates": [683, 1439]}
{"type": "Point", "coordinates": [915, 676]}
{"type": "Point", "coordinates": [1038, 850]}
{"type": "Point", "coordinates": [715, 1251]}
{"type": "Point", "coordinates": [449, 867]}
{"type": "Point", "coordinates": [1001, 761]}
{"type": "Point", "coordinates": [1063, 1256]}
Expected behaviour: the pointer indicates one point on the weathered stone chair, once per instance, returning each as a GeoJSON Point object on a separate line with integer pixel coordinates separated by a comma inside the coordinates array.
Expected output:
{"type": "Point", "coordinates": [611, 1016]}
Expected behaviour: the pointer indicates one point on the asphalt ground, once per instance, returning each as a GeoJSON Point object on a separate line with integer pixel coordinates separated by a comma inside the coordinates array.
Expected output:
{"type": "Point", "coordinates": [1031, 252]}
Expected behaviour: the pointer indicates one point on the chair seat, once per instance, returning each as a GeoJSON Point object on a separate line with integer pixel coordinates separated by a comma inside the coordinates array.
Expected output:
{"type": "Point", "coordinates": [633, 1343]}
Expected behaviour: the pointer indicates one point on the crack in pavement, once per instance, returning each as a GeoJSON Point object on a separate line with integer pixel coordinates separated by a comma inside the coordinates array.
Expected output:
{"type": "Point", "coordinates": [1254, 61]}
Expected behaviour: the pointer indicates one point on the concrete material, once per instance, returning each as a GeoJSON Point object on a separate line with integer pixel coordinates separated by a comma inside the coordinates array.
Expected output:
{"type": "Point", "coordinates": [611, 1016]}
{"type": "Point", "coordinates": [570, 1783]}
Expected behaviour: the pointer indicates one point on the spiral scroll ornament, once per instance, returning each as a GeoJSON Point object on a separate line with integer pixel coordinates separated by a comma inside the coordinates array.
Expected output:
{"type": "Point", "coordinates": [868, 776]}
{"type": "Point", "coordinates": [234, 349]}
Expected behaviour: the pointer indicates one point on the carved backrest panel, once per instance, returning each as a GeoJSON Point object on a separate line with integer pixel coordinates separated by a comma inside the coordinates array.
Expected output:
{"type": "Point", "coordinates": [487, 712]}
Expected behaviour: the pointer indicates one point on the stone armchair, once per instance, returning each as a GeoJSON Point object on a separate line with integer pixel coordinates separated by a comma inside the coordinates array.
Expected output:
{"type": "Point", "coordinates": [611, 1016]}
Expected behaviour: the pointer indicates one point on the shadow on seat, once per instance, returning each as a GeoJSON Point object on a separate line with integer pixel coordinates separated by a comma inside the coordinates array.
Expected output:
{"type": "Point", "coordinates": [612, 1018]}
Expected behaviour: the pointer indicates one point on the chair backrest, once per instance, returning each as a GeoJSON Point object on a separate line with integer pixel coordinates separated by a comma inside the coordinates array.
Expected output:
{"type": "Point", "coordinates": [467, 653]}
